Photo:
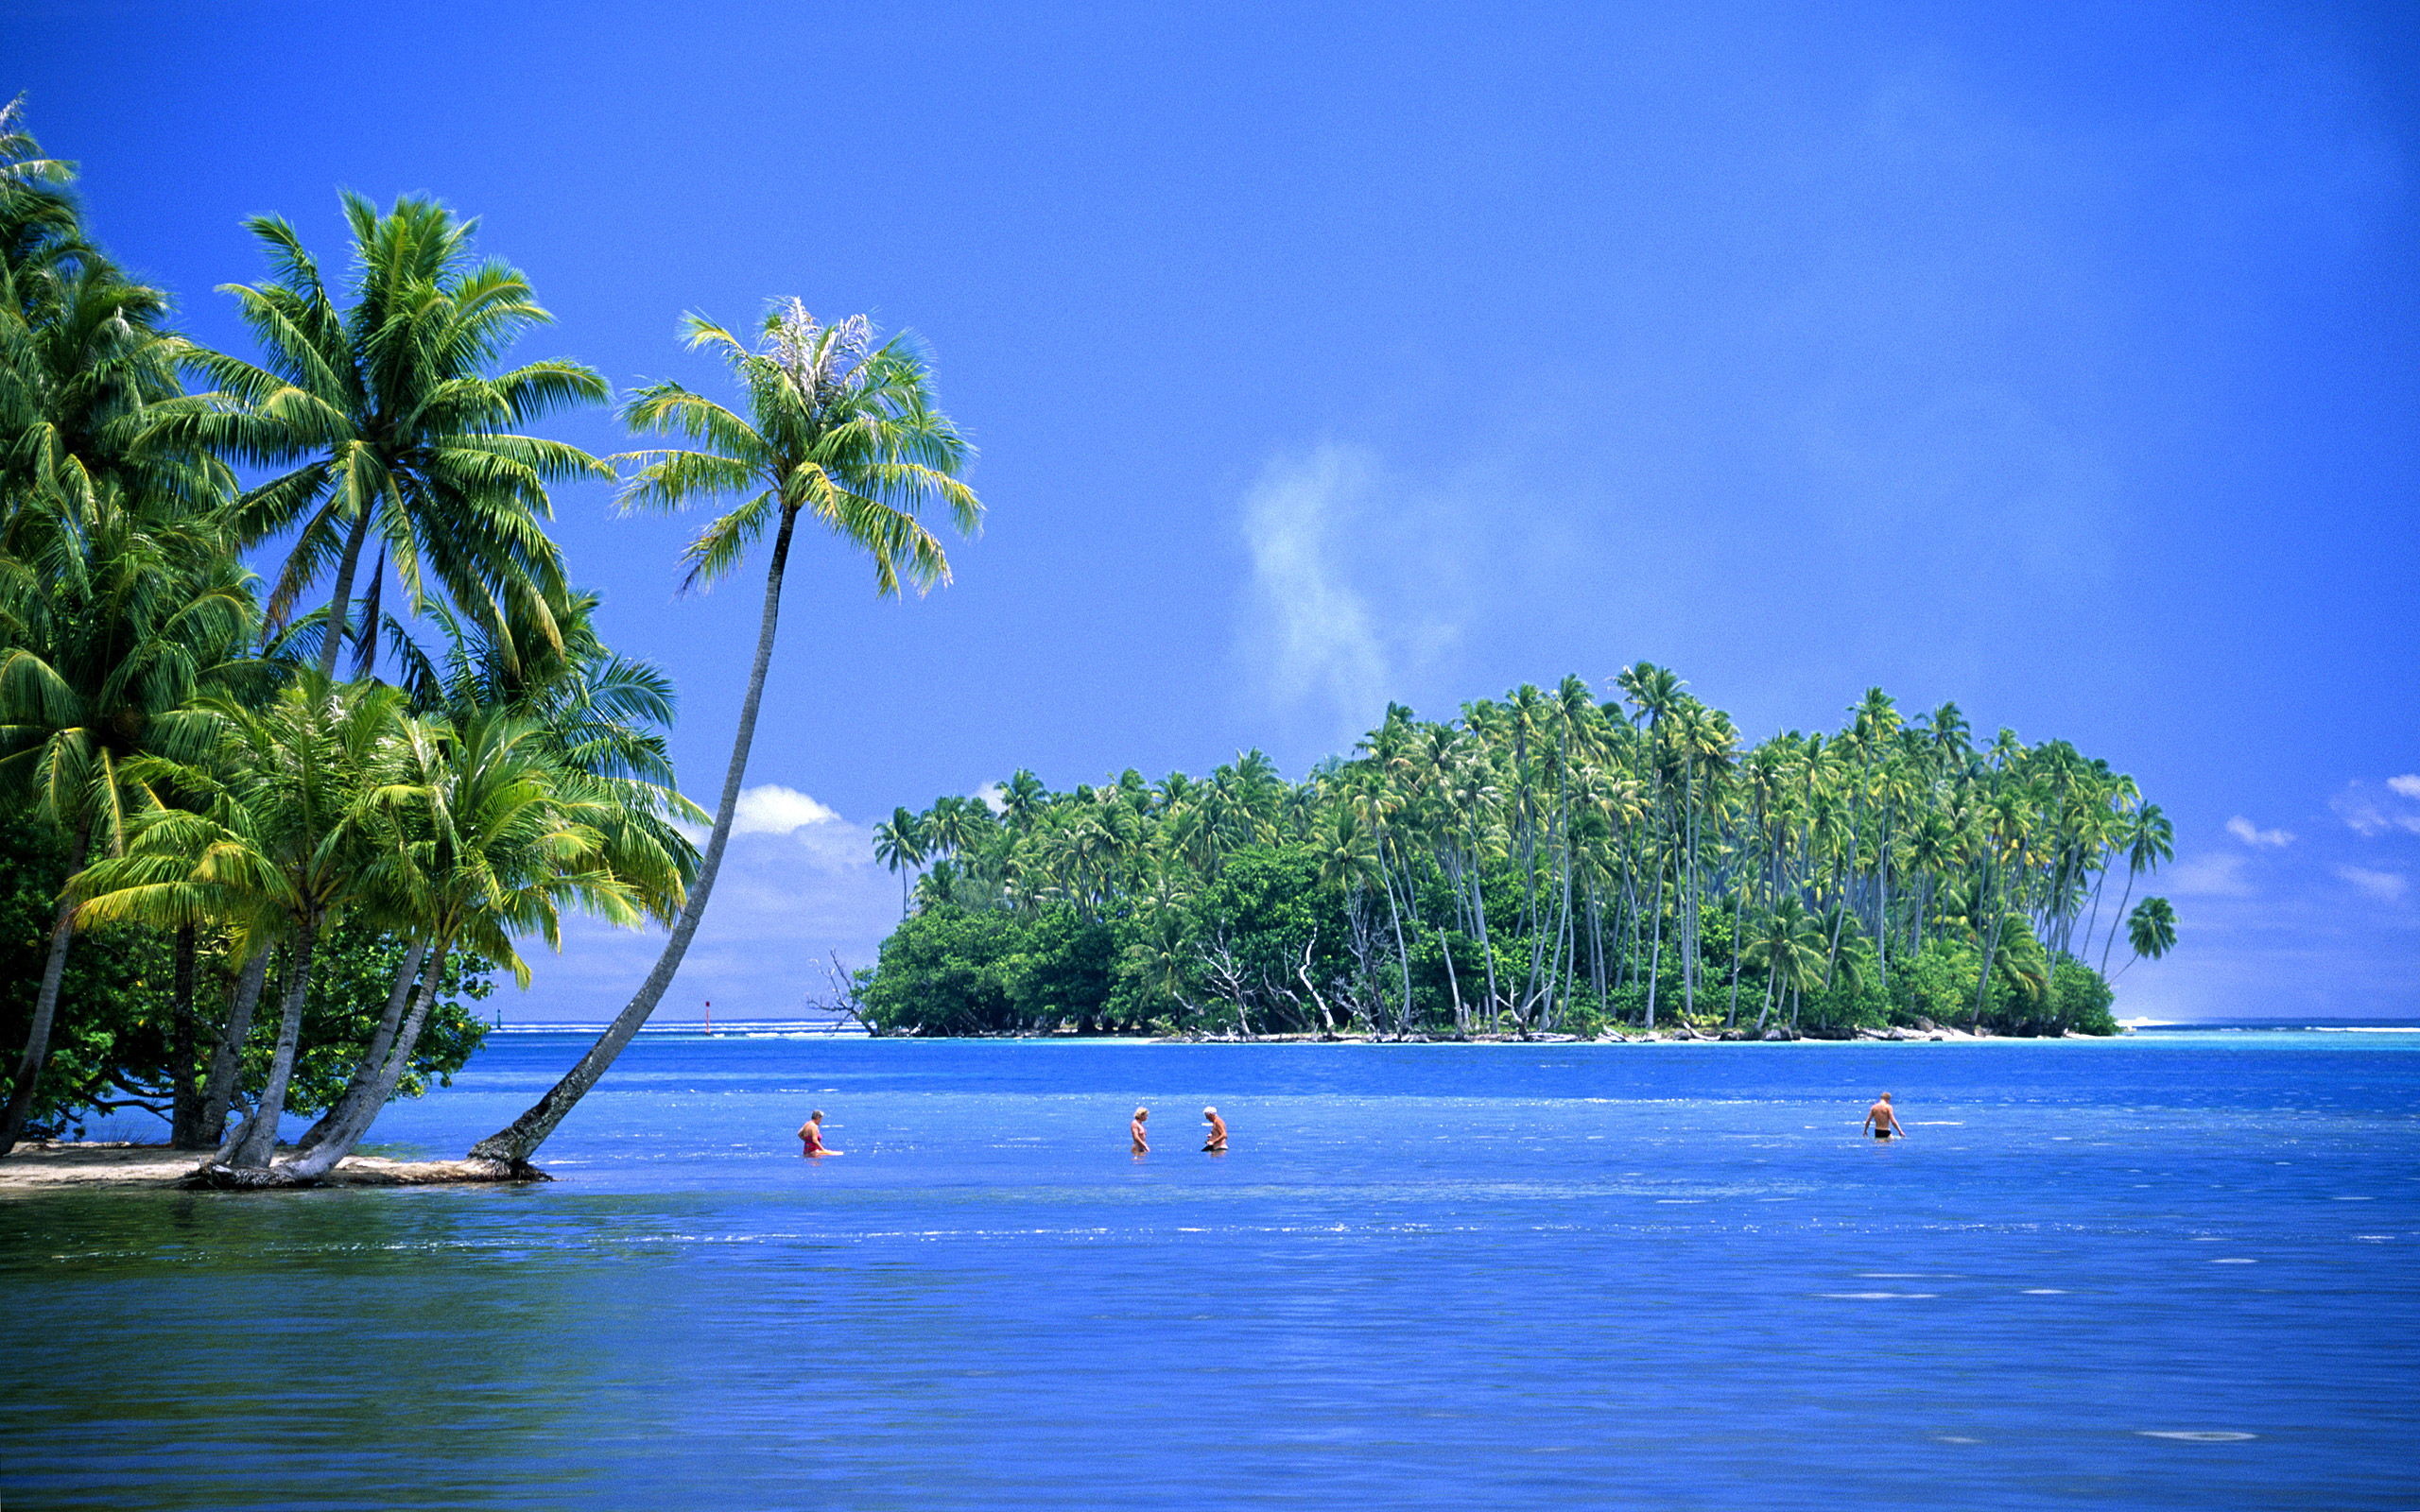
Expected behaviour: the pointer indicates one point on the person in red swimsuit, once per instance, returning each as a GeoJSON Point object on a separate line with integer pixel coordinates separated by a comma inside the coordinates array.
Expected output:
{"type": "Point", "coordinates": [810, 1137]}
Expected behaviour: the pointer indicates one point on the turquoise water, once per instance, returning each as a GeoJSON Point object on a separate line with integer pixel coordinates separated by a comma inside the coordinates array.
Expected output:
{"type": "Point", "coordinates": [1655, 1277]}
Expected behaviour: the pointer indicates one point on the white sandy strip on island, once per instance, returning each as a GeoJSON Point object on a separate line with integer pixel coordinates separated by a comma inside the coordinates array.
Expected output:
{"type": "Point", "coordinates": [48, 1167]}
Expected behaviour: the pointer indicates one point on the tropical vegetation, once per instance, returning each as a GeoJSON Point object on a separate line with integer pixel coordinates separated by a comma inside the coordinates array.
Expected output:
{"type": "Point", "coordinates": [1548, 863]}
{"type": "Point", "coordinates": [240, 879]}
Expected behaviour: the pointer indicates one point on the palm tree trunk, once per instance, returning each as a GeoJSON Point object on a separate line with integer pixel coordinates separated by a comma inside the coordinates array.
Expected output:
{"type": "Point", "coordinates": [225, 1061]}
{"type": "Point", "coordinates": [340, 601]}
{"type": "Point", "coordinates": [374, 1059]}
{"type": "Point", "coordinates": [350, 1120]}
{"type": "Point", "coordinates": [53, 971]}
{"type": "Point", "coordinates": [519, 1140]}
{"type": "Point", "coordinates": [259, 1141]}
{"type": "Point", "coordinates": [184, 1101]}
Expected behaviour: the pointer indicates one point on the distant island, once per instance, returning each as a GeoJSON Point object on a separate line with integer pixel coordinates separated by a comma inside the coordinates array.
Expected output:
{"type": "Point", "coordinates": [1543, 864]}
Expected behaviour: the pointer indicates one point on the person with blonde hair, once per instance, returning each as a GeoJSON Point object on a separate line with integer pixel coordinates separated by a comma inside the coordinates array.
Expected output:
{"type": "Point", "coordinates": [1142, 1116]}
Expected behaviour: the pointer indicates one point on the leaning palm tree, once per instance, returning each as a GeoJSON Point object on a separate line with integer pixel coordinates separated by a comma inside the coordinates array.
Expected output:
{"type": "Point", "coordinates": [387, 421]}
{"type": "Point", "coordinates": [840, 429]}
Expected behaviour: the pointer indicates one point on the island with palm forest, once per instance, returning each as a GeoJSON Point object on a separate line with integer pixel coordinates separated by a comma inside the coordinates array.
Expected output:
{"type": "Point", "coordinates": [1544, 863]}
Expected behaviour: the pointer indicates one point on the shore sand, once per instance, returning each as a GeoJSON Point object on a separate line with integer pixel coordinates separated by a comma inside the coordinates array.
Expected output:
{"type": "Point", "coordinates": [44, 1167]}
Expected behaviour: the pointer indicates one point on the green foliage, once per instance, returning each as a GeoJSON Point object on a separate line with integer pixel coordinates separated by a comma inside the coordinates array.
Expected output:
{"type": "Point", "coordinates": [1543, 864]}
{"type": "Point", "coordinates": [167, 765]}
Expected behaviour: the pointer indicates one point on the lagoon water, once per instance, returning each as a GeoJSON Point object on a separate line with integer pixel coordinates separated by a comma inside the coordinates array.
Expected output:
{"type": "Point", "coordinates": [2174, 1271]}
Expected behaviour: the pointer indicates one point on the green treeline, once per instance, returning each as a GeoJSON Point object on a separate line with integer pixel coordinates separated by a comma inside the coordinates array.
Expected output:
{"type": "Point", "coordinates": [1545, 863]}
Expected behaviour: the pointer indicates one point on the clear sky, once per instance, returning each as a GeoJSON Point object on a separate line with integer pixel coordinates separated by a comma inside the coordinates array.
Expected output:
{"type": "Point", "coordinates": [2057, 359]}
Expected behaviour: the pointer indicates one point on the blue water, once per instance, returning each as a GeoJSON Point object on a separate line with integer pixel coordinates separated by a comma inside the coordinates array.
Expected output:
{"type": "Point", "coordinates": [1655, 1277]}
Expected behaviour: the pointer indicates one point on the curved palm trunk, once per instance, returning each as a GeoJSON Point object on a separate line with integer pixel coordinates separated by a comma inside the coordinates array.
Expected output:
{"type": "Point", "coordinates": [374, 1059]}
{"type": "Point", "coordinates": [54, 971]}
{"type": "Point", "coordinates": [219, 1091]}
{"type": "Point", "coordinates": [346, 1124]}
{"type": "Point", "coordinates": [519, 1140]}
{"type": "Point", "coordinates": [259, 1137]}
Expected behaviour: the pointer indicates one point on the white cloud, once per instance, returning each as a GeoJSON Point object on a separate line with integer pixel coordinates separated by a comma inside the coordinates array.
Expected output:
{"type": "Point", "coordinates": [2371, 815]}
{"type": "Point", "coordinates": [995, 796]}
{"type": "Point", "coordinates": [1315, 634]}
{"type": "Point", "coordinates": [773, 809]}
{"type": "Point", "coordinates": [2217, 875]}
{"type": "Point", "coordinates": [2253, 834]}
{"type": "Point", "coordinates": [2386, 887]}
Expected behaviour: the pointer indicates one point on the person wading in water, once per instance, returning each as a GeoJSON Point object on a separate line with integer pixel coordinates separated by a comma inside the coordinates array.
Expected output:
{"type": "Point", "coordinates": [810, 1137]}
{"type": "Point", "coordinates": [1217, 1142]}
{"type": "Point", "coordinates": [1142, 1116]}
{"type": "Point", "coordinates": [1883, 1121]}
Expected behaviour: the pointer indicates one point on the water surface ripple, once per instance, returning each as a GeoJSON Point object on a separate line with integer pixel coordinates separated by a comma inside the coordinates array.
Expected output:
{"type": "Point", "coordinates": [2172, 1272]}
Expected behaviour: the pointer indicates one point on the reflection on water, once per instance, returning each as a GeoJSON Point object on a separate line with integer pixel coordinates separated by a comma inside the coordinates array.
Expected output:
{"type": "Point", "coordinates": [1541, 1276]}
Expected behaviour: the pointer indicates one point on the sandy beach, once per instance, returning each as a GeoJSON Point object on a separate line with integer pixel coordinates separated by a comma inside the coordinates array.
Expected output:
{"type": "Point", "coordinates": [43, 1167]}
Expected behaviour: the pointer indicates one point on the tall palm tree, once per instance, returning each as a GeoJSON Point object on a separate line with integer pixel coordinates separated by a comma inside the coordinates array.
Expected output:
{"type": "Point", "coordinates": [118, 597]}
{"type": "Point", "coordinates": [842, 430]}
{"type": "Point", "coordinates": [387, 422]}
{"type": "Point", "coordinates": [899, 845]}
{"type": "Point", "coordinates": [2149, 839]}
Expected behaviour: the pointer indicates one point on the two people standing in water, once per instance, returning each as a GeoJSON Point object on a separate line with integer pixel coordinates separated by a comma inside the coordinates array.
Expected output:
{"type": "Point", "coordinates": [1216, 1143]}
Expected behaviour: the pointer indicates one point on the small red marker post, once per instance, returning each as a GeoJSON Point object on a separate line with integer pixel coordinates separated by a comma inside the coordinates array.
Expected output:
{"type": "Point", "coordinates": [710, 1015]}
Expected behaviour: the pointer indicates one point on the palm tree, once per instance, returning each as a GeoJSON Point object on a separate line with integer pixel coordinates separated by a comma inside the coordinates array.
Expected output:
{"type": "Point", "coordinates": [899, 845]}
{"type": "Point", "coordinates": [2151, 929]}
{"type": "Point", "coordinates": [839, 429]}
{"type": "Point", "coordinates": [387, 422]}
{"type": "Point", "coordinates": [118, 598]}
{"type": "Point", "coordinates": [278, 838]}
{"type": "Point", "coordinates": [501, 835]}
{"type": "Point", "coordinates": [2151, 840]}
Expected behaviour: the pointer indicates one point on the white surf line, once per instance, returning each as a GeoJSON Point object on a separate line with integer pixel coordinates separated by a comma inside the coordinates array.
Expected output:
{"type": "Point", "coordinates": [2197, 1435]}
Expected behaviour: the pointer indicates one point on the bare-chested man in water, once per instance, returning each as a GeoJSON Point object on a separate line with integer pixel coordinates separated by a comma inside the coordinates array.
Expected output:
{"type": "Point", "coordinates": [1142, 1145]}
{"type": "Point", "coordinates": [1218, 1140]}
{"type": "Point", "coordinates": [1883, 1121]}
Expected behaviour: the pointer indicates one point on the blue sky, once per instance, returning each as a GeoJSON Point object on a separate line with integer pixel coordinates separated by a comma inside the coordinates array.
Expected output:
{"type": "Point", "coordinates": [2060, 360]}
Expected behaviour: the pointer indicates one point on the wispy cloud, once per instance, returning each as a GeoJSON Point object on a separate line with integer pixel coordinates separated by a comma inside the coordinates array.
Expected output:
{"type": "Point", "coordinates": [1314, 638]}
{"type": "Point", "coordinates": [2253, 834]}
{"type": "Point", "coordinates": [2216, 875]}
{"type": "Point", "coordinates": [2370, 813]}
{"type": "Point", "coordinates": [2386, 887]}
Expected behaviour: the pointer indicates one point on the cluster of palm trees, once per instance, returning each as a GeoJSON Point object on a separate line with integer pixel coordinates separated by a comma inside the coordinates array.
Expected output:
{"type": "Point", "coordinates": [1550, 856]}
{"type": "Point", "coordinates": [448, 768]}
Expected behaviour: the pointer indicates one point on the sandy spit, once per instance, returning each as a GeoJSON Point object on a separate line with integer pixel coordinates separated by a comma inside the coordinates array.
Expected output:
{"type": "Point", "coordinates": [42, 1167]}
